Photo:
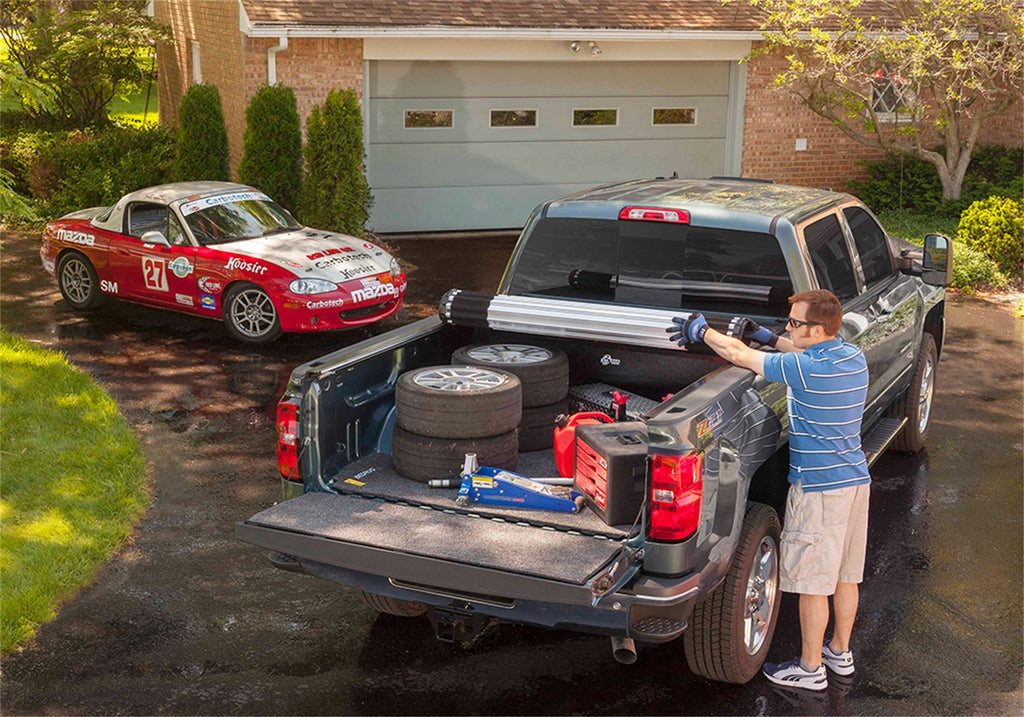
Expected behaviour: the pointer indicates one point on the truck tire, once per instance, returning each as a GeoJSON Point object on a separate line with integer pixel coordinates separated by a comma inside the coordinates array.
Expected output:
{"type": "Point", "coordinates": [537, 429]}
{"type": "Point", "coordinates": [916, 405]}
{"type": "Point", "coordinates": [78, 282]}
{"type": "Point", "coordinates": [458, 402]}
{"type": "Point", "coordinates": [543, 372]}
{"type": "Point", "coordinates": [393, 606]}
{"type": "Point", "coordinates": [731, 629]}
{"type": "Point", "coordinates": [425, 458]}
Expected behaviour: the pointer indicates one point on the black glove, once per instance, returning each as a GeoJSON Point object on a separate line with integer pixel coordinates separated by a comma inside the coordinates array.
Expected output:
{"type": "Point", "coordinates": [689, 330]}
{"type": "Point", "coordinates": [752, 331]}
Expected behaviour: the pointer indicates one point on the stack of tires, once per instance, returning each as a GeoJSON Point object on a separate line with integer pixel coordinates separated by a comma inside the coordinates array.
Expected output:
{"type": "Point", "coordinates": [444, 412]}
{"type": "Point", "coordinates": [544, 375]}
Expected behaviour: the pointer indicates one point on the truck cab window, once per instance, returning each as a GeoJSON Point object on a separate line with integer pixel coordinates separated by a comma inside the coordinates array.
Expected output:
{"type": "Point", "coordinates": [831, 257]}
{"type": "Point", "coordinates": [871, 244]}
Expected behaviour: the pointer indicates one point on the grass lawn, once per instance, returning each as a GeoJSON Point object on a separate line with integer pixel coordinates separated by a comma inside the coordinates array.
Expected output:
{"type": "Point", "coordinates": [74, 482]}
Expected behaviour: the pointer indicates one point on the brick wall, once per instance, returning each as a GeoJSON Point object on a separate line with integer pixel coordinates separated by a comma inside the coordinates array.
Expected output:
{"type": "Point", "coordinates": [776, 119]}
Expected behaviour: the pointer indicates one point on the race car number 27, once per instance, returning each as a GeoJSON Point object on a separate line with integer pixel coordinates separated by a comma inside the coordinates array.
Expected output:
{"type": "Point", "coordinates": [155, 273]}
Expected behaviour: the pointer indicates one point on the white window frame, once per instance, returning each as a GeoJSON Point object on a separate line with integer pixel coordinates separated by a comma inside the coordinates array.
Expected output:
{"type": "Point", "coordinates": [674, 124]}
{"type": "Point", "coordinates": [881, 84]}
{"type": "Point", "coordinates": [536, 118]}
{"type": "Point", "coordinates": [572, 117]}
{"type": "Point", "coordinates": [405, 113]}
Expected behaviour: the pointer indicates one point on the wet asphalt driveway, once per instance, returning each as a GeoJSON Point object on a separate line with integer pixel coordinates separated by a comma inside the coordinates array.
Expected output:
{"type": "Point", "coordinates": [186, 620]}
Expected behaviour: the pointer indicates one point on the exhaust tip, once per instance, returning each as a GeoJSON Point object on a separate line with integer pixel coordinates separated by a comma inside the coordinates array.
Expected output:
{"type": "Point", "coordinates": [624, 650]}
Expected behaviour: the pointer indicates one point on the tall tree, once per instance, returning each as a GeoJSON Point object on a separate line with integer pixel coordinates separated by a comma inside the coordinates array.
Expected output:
{"type": "Point", "coordinates": [272, 145]}
{"type": "Point", "coordinates": [885, 72]}
{"type": "Point", "coordinates": [85, 52]}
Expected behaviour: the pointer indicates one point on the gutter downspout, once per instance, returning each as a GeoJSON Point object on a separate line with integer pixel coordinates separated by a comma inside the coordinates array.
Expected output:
{"type": "Point", "coordinates": [272, 59]}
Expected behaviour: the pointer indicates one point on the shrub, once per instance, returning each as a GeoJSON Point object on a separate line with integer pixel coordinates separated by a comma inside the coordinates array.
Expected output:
{"type": "Point", "coordinates": [70, 170]}
{"type": "Point", "coordinates": [272, 145]}
{"type": "Point", "coordinates": [336, 195]}
{"type": "Point", "coordinates": [913, 184]}
{"type": "Point", "coordinates": [995, 226]}
{"type": "Point", "coordinates": [973, 270]}
{"type": "Point", "coordinates": [202, 138]}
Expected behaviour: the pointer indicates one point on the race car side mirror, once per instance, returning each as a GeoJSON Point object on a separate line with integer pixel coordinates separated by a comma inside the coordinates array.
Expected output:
{"type": "Point", "coordinates": [155, 237]}
{"type": "Point", "coordinates": [938, 260]}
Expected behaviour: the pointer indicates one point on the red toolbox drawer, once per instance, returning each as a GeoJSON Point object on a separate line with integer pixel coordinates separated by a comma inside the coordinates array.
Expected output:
{"type": "Point", "coordinates": [611, 469]}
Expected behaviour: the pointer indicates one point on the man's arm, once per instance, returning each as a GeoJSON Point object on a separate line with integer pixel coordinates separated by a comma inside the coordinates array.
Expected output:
{"type": "Point", "coordinates": [735, 351]}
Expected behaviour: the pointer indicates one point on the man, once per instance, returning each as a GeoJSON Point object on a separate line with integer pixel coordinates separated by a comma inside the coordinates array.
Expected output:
{"type": "Point", "coordinates": [825, 534]}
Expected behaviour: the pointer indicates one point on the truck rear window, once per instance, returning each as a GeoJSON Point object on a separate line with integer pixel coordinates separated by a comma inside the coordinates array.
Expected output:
{"type": "Point", "coordinates": [651, 264]}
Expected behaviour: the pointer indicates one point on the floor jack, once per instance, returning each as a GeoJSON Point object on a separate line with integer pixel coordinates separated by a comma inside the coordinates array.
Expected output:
{"type": "Point", "coordinates": [495, 486]}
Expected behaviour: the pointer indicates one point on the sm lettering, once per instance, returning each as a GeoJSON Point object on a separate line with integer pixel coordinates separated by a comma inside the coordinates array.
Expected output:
{"type": "Point", "coordinates": [109, 287]}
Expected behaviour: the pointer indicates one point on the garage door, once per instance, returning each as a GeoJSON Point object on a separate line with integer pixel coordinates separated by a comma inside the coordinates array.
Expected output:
{"type": "Point", "coordinates": [477, 145]}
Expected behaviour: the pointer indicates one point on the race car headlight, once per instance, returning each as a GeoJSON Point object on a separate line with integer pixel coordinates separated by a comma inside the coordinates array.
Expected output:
{"type": "Point", "coordinates": [312, 286]}
{"type": "Point", "coordinates": [395, 267]}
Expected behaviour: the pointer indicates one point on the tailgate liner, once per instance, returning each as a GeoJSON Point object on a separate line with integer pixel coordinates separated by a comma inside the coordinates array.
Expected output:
{"type": "Point", "coordinates": [419, 530]}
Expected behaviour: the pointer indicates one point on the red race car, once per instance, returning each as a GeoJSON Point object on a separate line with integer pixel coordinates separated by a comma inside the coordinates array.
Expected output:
{"type": "Point", "coordinates": [224, 251]}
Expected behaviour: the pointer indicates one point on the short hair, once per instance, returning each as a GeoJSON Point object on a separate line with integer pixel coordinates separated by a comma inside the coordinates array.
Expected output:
{"type": "Point", "coordinates": [822, 307]}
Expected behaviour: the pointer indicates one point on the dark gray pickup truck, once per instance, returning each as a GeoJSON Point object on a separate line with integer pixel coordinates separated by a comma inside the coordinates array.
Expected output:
{"type": "Point", "coordinates": [596, 278]}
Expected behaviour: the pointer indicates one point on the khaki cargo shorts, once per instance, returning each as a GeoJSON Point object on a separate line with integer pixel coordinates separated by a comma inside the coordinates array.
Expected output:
{"type": "Point", "coordinates": [824, 539]}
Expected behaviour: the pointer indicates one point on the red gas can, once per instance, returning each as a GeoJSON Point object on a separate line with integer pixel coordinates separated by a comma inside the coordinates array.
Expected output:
{"type": "Point", "coordinates": [565, 438]}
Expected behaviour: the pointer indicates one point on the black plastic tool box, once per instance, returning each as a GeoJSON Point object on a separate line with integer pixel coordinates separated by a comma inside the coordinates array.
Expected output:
{"type": "Point", "coordinates": [610, 468]}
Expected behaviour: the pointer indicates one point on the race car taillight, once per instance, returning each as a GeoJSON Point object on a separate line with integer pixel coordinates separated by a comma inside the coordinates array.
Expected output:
{"type": "Point", "coordinates": [677, 483]}
{"type": "Point", "coordinates": [654, 214]}
{"type": "Point", "coordinates": [287, 438]}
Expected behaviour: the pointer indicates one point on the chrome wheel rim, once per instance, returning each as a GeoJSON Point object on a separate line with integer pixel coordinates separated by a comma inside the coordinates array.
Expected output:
{"type": "Point", "coordinates": [509, 354]}
{"type": "Point", "coordinates": [76, 281]}
{"type": "Point", "coordinates": [458, 378]}
{"type": "Point", "coordinates": [925, 398]}
{"type": "Point", "coordinates": [762, 592]}
{"type": "Point", "coordinates": [253, 313]}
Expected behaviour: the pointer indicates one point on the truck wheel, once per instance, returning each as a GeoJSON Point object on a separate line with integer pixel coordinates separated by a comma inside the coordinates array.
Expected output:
{"type": "Point", "coordinates": [543, 372]}
{"type": "Point", "coordinates": [458, 401]}
{"type": "Point", "coordinates": [249, 314]}
{"type": "Point", "coordinates": [78, 281]}
{"type": "Point", "coordinates": [731, 629]}
{"type": "Point", "coordinates": [537, 429]}
{"type": "Point", "coordinates": [393, 606]}
{"type": "Point", "coordinates": [425, 458]}
{"type": "Point", "coordinates": [916, 405]}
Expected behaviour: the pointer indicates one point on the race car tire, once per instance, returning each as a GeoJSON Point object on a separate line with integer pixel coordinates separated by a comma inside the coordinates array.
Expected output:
{"type": "Point", "coordinates": [250, 315]}
{"type": "Point", "coordinates": [537, 429]}
{"type": "Point", "coordinates": [731, 629]}
{"type": "Point", "coordinates": [78, 282]}
{"type": "Point", "coordinates": [458, 401]}
{"type": "Point", "coordinates": [543, 372]}
{"type": "Point", "coordinates": [425, 458]}
{"type": "Point", "coordinates": [393, 606]}
{"type": "Point", "coordinates": [916, 405]}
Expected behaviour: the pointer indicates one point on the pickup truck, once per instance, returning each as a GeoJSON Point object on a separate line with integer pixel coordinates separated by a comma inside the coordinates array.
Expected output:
{"type": "Point", "coordinates": [598, 276]}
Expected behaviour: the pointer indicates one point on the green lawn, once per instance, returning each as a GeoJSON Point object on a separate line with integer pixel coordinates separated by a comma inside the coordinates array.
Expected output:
{"type": "Point", "coordinates": [74, 483]}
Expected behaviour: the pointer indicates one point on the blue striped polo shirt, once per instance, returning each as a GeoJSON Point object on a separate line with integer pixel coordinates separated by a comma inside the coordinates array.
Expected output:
{"type": "Point", "coordinates": [827, 385]}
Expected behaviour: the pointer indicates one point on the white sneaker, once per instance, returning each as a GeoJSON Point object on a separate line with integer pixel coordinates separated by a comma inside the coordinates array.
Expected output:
{"type": "Point", "coordinates": [840, 663]}
{"type": "Point", "coordinates": [793, 674]}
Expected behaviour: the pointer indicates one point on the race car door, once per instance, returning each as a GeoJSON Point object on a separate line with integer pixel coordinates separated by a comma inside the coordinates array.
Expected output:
{"type": "Point", "coordinates": [151, 273]}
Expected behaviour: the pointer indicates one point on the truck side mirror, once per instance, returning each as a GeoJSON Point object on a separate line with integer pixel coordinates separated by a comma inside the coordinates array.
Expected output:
{"type": "Point", "coordinates": [938, 260]}
{"type": "Point", "coordinates": [155, 237]}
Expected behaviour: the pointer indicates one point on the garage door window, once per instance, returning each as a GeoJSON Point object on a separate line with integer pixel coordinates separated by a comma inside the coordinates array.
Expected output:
{"type": "Point", "coordinates": [595, 118]}
{"type": "Point", "coordinates": [415, 119]}
{"type": "Point", "coordinates": [513, 118]}
{"type": "Point", "coordinates": [673, 115]}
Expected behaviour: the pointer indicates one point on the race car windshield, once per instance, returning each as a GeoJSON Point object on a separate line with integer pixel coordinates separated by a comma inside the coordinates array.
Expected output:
{"type": "Point", "coordinates": [238, 220]}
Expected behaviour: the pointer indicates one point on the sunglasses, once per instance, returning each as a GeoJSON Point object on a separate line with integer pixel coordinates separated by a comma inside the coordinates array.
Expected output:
{"type": "Point", "coordinates": [797, 323]}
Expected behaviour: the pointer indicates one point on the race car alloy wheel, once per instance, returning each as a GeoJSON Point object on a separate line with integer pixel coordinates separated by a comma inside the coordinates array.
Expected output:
{"type": "Point", "coordinates": [78, 281]}
{"type": "Point", "coordinates": [916, 405]}
{"type": "Point", "coordinates": [458, 401]}
{"type": "Point", "coordinates": [250, 315]}
{"type": "Point", "coordinates": [731, 629]}
{"type": "Point", "coordinates": [543, 372]}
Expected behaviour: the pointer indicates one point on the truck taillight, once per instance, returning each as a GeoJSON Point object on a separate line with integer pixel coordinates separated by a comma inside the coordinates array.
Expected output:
{"type": "Point", "coordinates": [287, 438]}
{"type": "Point", "coordinates": [677, 484]}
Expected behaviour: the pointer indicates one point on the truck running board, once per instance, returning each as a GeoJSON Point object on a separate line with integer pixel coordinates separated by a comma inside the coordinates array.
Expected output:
{"type": "Point", "coordinates": [617, 323]}
{"type": "Point", "coordinates": [880, 436]}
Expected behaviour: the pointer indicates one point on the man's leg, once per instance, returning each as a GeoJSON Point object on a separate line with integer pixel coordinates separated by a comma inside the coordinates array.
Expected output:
{"type": "Point", "coordinates": [844, 602]}
{"type": "Point", "coordinates": [813, 622]}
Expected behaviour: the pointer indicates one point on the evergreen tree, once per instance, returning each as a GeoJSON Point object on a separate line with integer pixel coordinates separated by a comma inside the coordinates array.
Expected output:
{"type": "Point", "coordinates": [272, 146]}
{"type": "Point", "coordinates": [202, 138]}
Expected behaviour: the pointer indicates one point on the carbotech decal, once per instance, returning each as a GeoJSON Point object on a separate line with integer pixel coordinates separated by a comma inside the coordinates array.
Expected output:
{"type": "Point", "coordinates": [73, 237]}
{"type": "Point", "coordinates": [325, 304]}
{"type": "Point", "coordinates": [181, 267]}
{"type": "Point", "coordinates": [250, 266]}
{"type": "Point", "coordinates": [193, 207]}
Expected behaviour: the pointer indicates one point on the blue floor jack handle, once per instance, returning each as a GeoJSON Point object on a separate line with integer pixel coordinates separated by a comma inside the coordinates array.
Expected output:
{"type": "Point", "coordinates": [495, 486]}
